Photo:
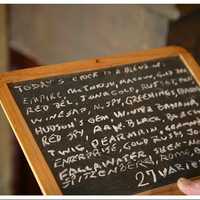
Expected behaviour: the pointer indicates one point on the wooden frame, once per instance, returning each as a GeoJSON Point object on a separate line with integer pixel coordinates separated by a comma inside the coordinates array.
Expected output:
{"type": "Point", "coordinates": [31, 150]}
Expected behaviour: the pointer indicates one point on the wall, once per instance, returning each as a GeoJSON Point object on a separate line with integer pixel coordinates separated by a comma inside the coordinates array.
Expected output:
{"type": "Point", "coordinates": [60, 33]}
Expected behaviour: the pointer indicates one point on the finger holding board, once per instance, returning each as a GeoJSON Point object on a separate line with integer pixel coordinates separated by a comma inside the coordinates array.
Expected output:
{"type": "Point", "coordinates": [116, 125]}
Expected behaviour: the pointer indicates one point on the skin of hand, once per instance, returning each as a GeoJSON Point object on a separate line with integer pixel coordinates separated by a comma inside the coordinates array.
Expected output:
{"type": "Point", "coordinates": [189, 187]}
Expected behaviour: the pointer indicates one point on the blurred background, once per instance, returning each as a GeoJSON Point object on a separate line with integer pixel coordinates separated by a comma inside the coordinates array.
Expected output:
{"type": "Point", "coordinates": [32, 35]}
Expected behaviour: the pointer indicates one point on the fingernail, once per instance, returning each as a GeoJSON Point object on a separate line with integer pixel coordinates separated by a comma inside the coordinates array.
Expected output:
{"type": "Point", "coordinates": [183, 181]}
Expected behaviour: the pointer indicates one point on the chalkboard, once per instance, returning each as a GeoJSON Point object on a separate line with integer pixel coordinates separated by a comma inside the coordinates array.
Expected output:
{"type": "Point", "coordinates": [122, 129]}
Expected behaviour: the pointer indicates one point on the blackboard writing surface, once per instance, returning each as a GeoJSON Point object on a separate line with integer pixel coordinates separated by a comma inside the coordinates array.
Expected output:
{"type": "Point", "coordinates": [118, 130]}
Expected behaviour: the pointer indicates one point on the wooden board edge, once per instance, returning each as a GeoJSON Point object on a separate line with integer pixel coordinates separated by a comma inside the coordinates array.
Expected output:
{"type": "Point", "coordinates": [164, 190]}
{"type": "Point", "coordinates": [192, 65]}
{"type": "Point", "coordinates": [37, 162]}
{"type": "Point", "coordinates": [89, 64]}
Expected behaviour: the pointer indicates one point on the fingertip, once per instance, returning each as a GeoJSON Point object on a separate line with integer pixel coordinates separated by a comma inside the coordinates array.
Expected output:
{"type": "Point", "coordinates": [182, 184]}
{"type": "Point", "coordinates": [183, 181]}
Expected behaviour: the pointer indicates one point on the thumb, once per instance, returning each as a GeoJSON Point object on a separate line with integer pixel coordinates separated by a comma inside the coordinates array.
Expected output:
{"type": "Point", "coordinates": [189, 187]}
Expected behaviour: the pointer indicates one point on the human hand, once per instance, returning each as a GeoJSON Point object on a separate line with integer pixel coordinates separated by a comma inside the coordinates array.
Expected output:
{"type": "Point", "coordinates": [189, 187]}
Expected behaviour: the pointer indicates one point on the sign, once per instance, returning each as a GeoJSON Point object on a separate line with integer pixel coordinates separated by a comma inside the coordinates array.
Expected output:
{"type": "Point", "coordinates": [121, 125]}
